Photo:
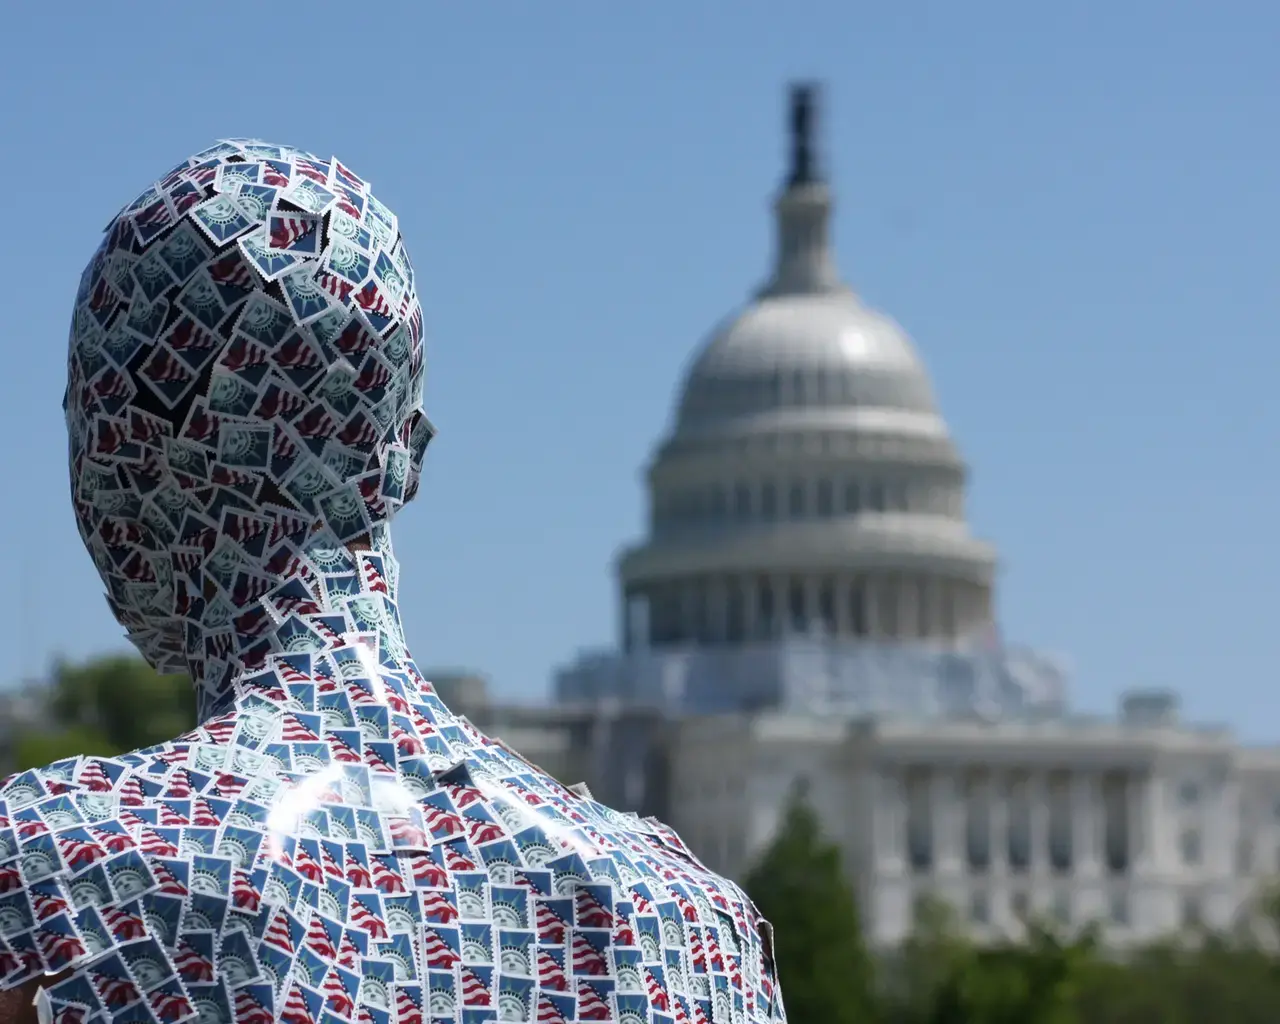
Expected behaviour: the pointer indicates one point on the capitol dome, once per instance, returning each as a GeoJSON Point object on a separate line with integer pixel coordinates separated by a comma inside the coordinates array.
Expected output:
{"type": "Point", "coordinates": [856, 357]}
{"type": "Point", "coordinates": [809, 483]}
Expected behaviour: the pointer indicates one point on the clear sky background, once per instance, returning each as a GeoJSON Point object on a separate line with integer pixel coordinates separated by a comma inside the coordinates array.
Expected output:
{"type": "Point", "coordinates": [1072, 208]}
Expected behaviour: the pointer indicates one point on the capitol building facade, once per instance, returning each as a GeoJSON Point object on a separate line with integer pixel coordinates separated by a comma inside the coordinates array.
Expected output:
{"type": "Point", "coordinates": [810, 607]}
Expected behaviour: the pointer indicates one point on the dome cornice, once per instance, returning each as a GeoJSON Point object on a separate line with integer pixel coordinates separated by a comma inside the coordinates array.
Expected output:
{"type": "Point", "coordinates": [821, 446]}
{"type": "Point", "coordinates": [888, 542]}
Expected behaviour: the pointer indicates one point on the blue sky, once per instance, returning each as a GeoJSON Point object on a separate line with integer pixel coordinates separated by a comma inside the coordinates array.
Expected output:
{"type": "Point", "coordinates": [1072, 208]}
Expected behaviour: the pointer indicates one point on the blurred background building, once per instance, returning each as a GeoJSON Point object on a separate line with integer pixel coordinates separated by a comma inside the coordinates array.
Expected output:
{"type": "Point", "coordinates": [811, 607]}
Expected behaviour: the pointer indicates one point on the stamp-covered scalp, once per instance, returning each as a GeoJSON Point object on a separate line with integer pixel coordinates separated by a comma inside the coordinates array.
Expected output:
{"type": "Point", "coordinates": [245, 365]}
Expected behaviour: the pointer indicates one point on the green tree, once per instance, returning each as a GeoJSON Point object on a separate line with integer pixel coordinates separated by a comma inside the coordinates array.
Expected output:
{"type": "Point", "coordinates": [1214, 977]}
{"type": "Point", "coordinates": [941, 976]}
{"type": "Point", "coordinates": [824, 970]}
{"type": "Point", "coordinates": [35, 748]}
{"type": "Point", "coordinates": [933, 954]}
{"type": "Point", "coordinates": [107, 705]}
{"type": "Point", "coordinates": [1034, 982]}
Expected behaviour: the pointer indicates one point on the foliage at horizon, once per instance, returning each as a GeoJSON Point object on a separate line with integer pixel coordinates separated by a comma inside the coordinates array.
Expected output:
{"type": "Point", "coordinates": [104, 706]}
{"type": "Point", "coordinates": [799, 885]}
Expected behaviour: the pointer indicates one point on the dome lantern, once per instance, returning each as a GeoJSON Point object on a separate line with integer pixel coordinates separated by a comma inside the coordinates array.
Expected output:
{"type": "Point", "coordinates": [804, 263]}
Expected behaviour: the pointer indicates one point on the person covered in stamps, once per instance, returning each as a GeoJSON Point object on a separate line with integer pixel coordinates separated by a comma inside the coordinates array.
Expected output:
{"type": "Point", "coordinates": [331, 844]}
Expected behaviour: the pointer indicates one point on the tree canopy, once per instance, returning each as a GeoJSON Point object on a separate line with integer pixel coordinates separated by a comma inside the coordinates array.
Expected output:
{"type": "Point", "coordinates": [799, 886]}
{"type": "Point", "coordinates": [107, 705]}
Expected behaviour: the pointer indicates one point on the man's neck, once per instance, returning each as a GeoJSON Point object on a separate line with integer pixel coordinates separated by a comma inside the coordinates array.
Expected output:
{"type": "Point", "coordinates": [331, 616]}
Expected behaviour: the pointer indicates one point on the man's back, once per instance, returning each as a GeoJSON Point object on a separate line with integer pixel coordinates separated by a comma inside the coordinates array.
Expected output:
{"type": "Point", "coordinates": [342, 848]}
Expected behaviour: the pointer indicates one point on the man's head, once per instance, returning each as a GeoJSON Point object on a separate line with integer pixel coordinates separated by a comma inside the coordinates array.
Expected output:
{"type": "Point", "coordinates": [245, 371]}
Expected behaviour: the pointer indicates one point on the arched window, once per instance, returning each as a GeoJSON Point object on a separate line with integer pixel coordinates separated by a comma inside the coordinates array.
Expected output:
{"type": "Point", "coordinates": [764, 607]}
{"type": "Point", "coordinates": [1018, 852]}
{"type": "Point", "coordinates": [827, 606]}
{"type": "Point", "coordinates": [697, 507]}
{"type": "Point", "coordinates": [768, 501]}
{"type": "Point", "coordinates": [858, 608]}
{"type": "Point", "coordinates": [887, 610]}
{"type": "Point", "coordinates": [742, 501]}
{"type": "Point", "coordinates": [665, 621]}
{"type": "Point", "coordinates": [636, 623]}
{"type": "Point", "coordinates": [718, 503]}
{"type": "Point", "coordinates": [919, 820]}
{"type": "Point", "coordinates": [948, 611]}
{"type": "Point", "coordinates": [795, 500]}
{"type": "Point", "coordinates": [680, 608]}
{"type": "Point", "coordinates": [735, 618]}
{"type": "Point", "coordinates": [796, 612]}
{"type": "Point", "coordinates": [701, 612]}
{"type": "Point", "coordinates": [825, 498]}
{"type": "Point", "coordinates": [798, 390]}
{"type": "Point", "coordinates": [924, 610]}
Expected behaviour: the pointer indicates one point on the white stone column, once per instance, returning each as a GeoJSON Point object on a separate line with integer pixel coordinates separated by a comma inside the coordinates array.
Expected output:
{"type": "Point", "coordinates": [908, 615]}
{"type": "Point", "coordinates": [948, 804]}
{"type": "Point", "coordinates": [829, 586]}
{"type": "Point", "coordinates": [1141, 800]}
{"type": "Point", "coordinates": [812, 611]}
{"type": "Point", "coordinates": [891, 603]}
{"type": "Point", "coordinates": [860, 583]}
{"type": "Point", "coordinates": [1085, 831]}
{"type": "Point", "coordinates": [889, 816]}
{"type": "Point", "coordinates": [718, 607]}
{"type": "Point", "coordinates": [750, 606]}
{"type": "Point", "coordinates": [946, 609]}
{"type": "Point", "coordinates": [984, 604]}
{"type": "Point", "coordinates": [844, 627]}
{"type": "Point", "coordinates": [999, 783]}
{"type": "Point", "coordinates": [626, 630]}
{"type": "Point", "coordinates": [929, 612]}
{"type": "Point", "coordinates": [1038, 801]}
{"type": "Point", "coordinates": [918, 814]}
{"type": "Point", "coordinates": [683, 596]}
{"type": "Point", "coordinates": [964, 608]}
{"type": "Point", "coordinates": [1224, 831]}
{"type": "Point", "coordinates": [1152, 911]}
{"type": "Point", "coordinates": [702, 620]}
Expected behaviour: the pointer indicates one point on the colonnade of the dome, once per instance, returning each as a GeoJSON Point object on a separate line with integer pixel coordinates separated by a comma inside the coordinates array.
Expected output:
{"type": "Point", "coordinates": [723, 500]}
{"type": "Point", "coordinates": [749, 607]}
